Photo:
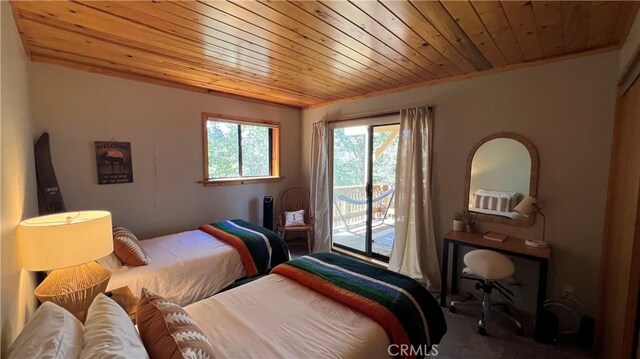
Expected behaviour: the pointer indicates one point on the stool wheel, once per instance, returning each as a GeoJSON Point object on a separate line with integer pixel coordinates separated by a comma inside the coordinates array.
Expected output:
{"type": "Point", "coordinates": [520, 332]}
{"type": "Point", "coordinates": [452, 309]}
{"type": "Point", "coordinates": [482, 331]}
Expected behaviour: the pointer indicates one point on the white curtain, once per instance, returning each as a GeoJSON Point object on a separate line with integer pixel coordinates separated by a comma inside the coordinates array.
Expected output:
{"type": "Point", "coordinates": [319, 186]}
{"type": "Point", "coordinates": [414, 248]}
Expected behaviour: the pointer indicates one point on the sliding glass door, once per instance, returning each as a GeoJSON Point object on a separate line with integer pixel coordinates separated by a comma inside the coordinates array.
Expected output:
{"type": "Point", "coordinates": [364, 167]}
{"type": "Point", "coordinates": [383, 179]}
{"type": "Point", "coordinates": [350, 158]}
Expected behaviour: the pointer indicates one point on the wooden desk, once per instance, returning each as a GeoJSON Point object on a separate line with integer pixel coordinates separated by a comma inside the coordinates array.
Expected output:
{"type": "Point", "coordinates": [512, 247]}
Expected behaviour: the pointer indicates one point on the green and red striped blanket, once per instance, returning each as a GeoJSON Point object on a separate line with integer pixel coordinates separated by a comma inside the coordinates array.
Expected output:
{"type": "Point", "coordinates": [403, 307]}
{"type": "Point", "coordinates": [260, 249]}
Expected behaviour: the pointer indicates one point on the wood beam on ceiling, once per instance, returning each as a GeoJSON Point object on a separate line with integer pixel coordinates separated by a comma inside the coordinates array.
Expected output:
{"type": "Point", "coordinates": [495, 20]}
{"type": "Point", "coordinates": [523, 25]}
{"type": "Point", "coordinates": [406, 62]}
{"type": "Point", "coordinates": [406, 25]}
{"type": "Point", "coordinates": [469, 21]}
{"type": "Point", "coordinates": [438, 16]}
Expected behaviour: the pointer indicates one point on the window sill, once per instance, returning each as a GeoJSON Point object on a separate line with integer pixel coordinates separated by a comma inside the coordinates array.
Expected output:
{"type": "Point", "coordinates": [237, 181]}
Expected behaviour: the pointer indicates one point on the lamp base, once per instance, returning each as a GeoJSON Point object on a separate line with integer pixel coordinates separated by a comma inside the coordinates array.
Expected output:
{"type": "Point", "coordinates": [74, 288]}
{"type": "Point", "coordinates": [536, 243]}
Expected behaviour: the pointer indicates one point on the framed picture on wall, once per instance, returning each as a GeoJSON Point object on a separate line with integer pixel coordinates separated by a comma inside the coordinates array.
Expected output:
{"type": "Point", "coordinates": [114, 162]}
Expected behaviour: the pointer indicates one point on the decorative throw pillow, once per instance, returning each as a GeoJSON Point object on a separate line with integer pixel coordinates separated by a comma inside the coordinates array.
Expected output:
{"type": "Point", "coordinates": [52, 332]}
{"type": "Point", "coordinates": [167, 331]}
{"type": "Point", "coordinates": [109, 332]}
{"type": "Point", "coordinates": [111, 262]}
{"type": "Point", "coordinates": [294, 219]}
{"type": "Point", "coordinates": [127, 247]}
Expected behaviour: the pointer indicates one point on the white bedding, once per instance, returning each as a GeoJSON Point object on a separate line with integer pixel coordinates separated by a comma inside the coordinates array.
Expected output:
{"type": "Point", "coordinates": [184, 267]}
{"type": "Point", "coordinates": [274, 317]}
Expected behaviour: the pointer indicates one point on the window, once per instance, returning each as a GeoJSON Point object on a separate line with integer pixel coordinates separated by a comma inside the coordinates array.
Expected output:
{"type": "Point", "coordinates": [239, 150]}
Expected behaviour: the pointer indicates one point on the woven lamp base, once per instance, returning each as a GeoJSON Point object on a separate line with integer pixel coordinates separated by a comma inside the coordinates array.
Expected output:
{"type": "Point", "coordinates": [74, 288]}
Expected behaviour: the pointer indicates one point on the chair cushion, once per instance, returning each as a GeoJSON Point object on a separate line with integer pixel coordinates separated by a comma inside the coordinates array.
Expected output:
{"type": "Point", "coordinates": [489, 264]}
{"type": "Point", "coordinates": [294, 219]}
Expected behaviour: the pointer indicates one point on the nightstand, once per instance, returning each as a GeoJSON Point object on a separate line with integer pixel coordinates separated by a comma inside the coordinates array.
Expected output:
{"type": "Point", "coordinates": [126, 300]}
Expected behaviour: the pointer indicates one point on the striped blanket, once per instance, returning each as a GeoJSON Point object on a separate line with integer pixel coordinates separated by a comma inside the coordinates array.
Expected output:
{"type": "Point", "coordinates": [260, 249]}
{"type": "Point", "coordinates": [403, 307]}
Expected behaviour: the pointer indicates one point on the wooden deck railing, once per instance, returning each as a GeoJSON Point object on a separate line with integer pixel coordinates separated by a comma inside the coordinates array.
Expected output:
{"type": "Point", "coordinates": [352, 214]}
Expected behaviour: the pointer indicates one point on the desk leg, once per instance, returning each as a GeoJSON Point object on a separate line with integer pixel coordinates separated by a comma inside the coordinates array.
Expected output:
{"type": "Point", "coordinates": [443, 274]}
{"type": "Point", "coordinates": [454, 269]}
{"type": "Point", "coordinates": [542, 296]}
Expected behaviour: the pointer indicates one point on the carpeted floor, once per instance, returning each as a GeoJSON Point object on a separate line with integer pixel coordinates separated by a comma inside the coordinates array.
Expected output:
{"type": "Point", "coordinates": [297, 249]}
{"type": "Point", "coordinates": [463, 341]}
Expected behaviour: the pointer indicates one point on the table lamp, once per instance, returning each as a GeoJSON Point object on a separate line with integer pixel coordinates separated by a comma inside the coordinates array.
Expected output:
{"type": "Point", "coordinates": [527, 207]}
{"type": "Point", "coordinates": [68, 243]}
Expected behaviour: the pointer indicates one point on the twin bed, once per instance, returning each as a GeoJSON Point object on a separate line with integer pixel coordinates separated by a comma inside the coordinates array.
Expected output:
{"type": "Point", "coordinates": [283, 319]}
{"type": "Point", "coordinates": [184, 267]}
{"type": "Point", "coordinates": [322, 305]}
{"type": "Point", "coordinates": [190, 266]}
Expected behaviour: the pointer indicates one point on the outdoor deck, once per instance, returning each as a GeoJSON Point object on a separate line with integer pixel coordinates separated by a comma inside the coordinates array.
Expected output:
{"type": "Point", "coordinates": [350, 217]}
{"type": "Point", "coordinates": [383, 235]}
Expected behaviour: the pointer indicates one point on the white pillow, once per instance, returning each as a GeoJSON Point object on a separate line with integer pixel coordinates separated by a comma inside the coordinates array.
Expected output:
{"type": "Point", "coordinates": [109, 332]}
{"type": "Point", "coordinates": [110, 262]}
{"type": "Point", "coordinates": [294, 219]}
{"type": "Point", "coordinates": [52, 333]}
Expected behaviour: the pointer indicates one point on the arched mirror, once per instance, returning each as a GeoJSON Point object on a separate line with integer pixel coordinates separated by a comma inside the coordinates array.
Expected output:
{"type": "Point", "coordinates": [502, 170]}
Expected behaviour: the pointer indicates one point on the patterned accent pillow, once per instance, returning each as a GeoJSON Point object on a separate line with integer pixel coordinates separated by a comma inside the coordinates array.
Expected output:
{"type": "Point", "coordinates": [127, 247]}
{"type": "Point", "coordinates": [167, 331]}
{"type": "Point", "coordinates": [294, 219]}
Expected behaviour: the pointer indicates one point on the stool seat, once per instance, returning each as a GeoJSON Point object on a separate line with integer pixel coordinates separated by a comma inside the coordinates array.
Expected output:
{"type": "Point", "coordinates": [489, 264]}
{"type": "Point", "coordinates": [489, 267]}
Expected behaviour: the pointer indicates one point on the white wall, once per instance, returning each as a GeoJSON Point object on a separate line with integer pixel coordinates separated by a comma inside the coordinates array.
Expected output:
{"type": "Point", "coordinates": [566, 109]}
{"type": "Point", "coordinates": [164, 127]}
{"type": "Point", "coordinates": [18, 184]}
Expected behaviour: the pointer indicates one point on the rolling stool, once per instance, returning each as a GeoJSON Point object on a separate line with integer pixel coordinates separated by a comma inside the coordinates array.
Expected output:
{"type": "Point", "coordinates": [488, 267]}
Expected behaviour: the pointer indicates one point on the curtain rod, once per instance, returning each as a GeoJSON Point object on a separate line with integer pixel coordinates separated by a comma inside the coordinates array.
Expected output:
{"type": "Point", "coordinates": [372, 115]}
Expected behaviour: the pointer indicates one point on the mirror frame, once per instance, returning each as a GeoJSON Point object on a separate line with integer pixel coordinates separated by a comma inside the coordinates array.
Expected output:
{"type": "Point", "coordinates": [533, 180]}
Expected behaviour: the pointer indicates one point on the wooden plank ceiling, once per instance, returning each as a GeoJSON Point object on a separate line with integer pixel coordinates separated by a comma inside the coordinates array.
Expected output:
{"type": "Point", "coordinates": [303, 53]}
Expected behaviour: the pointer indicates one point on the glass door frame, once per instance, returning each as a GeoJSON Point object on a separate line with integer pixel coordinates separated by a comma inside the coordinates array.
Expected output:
{"type": "Point", "coordinates": [370, 123]}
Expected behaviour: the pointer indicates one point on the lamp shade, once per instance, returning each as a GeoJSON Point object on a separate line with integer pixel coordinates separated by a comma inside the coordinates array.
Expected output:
{"type": "Point", "coordinates": [526, 207]}
{"type": "Point", "coordinates": [65, 239]}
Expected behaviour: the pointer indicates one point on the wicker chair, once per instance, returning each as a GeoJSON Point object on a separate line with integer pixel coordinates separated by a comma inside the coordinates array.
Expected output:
{"type": "Point", "coordinates": [295, 199]}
